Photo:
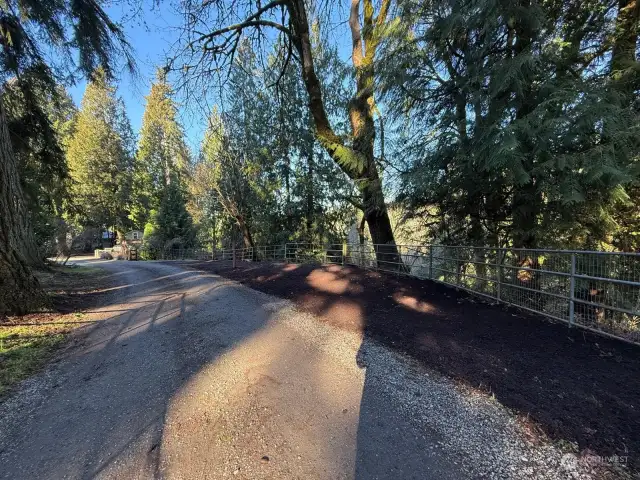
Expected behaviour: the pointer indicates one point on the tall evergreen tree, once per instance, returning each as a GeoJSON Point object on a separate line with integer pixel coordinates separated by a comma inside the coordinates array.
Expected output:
{"type": "Point", "coordinates": [517, 134]}
{"type": "Point", "coordinates": [261, 167]}
{"type": "Point", "coordinates": [311, 183]}
{"type": "Point", "coordinates": [100, 158]}
{"type": "Point", "coordinates": [291, 21]}
{"type": "Point", "coordinates": [227, 170]}
{"type": "Point", "coordinates": [39, 129]}
{"type": "Point", "coordinates": [26, 30]}
{"type": "Point", "coordinates": [162, 153]}
{"type": "Point", "coordinates": [172, 226]}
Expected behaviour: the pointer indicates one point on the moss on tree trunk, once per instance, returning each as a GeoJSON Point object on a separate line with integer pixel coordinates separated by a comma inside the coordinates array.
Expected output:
{"type": "Point", "coordinates": [356, 160]}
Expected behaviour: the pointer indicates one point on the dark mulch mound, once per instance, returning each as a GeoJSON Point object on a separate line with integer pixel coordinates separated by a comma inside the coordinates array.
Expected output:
{"type": "Point", "coordinates": [576, 385]}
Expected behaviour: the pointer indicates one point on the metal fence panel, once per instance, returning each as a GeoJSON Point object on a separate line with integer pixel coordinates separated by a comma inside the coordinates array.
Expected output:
{"type": "Point", "coordinates": [599, 291]}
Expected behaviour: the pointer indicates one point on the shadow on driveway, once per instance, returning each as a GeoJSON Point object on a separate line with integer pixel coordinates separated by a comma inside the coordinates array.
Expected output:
{"type": "Point", "coordinates": [575, 385]}
{"type": "Point", "coordinates": [187, 375]}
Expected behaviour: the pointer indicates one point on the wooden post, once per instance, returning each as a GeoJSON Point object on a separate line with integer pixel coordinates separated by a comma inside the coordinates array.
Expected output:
{"type": "Point", "coordinates": [233, 255]}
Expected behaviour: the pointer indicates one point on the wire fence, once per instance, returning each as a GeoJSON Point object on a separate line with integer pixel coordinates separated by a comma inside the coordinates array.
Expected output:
{"type": "Point", "coordinates": [599, 291]}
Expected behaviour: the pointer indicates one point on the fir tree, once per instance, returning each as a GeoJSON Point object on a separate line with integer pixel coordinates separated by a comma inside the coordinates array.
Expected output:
{"type": "Point", "coordinates": [517, 132]}
{"type": "Point", "coordinates": [173, 225]}
{"type": "Point", "coordinates": [39, 129]}
{"type": "Point", "coordinates": [26, 30]}
{"type": "Point", "coordinates": [162, 153]}
{"type": "Point", "coordinates": [206, 53]}
{"type": "Point", "coordinates": [100, 160]}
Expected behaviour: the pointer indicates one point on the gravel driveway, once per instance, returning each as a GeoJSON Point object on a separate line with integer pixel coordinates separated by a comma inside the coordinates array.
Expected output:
{"type": "Point", "coordinates": [188, 375]}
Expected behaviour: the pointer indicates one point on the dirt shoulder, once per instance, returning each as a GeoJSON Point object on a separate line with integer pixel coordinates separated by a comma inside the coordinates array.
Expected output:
{"type": "Point", "coordinates": [28, 341]}
{"type": "Point", "coordinates": [574, 386]}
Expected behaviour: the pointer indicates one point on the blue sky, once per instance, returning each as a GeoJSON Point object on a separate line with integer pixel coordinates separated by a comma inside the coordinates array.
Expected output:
{"type": "Point", "coordinates": [152, 32]}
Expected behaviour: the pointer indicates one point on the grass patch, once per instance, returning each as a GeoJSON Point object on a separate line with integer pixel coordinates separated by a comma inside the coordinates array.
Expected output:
{"type": "Point", "coordinates": [25, 348]}
{"type": "Point", "coordinates": [27, 342]}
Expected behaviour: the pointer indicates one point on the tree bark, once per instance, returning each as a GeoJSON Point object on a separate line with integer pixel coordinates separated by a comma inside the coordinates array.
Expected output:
{"type": "Point", "coordinates": [309, 195]}
{"type": "Point", "coordinates": [248, 240]}
{"type": "Point", "coordinates": [246, 233]}
{"type": "Point", "coordinates": [357, 160]}
{"type": "Point", "coordinates": [527, 201]}
{"type": "Point", "coordinates": [20, 291]}
{"type": "Point", "coordinates": [623, 55]}
{"type": "Point", "coordinates": [235, 212]}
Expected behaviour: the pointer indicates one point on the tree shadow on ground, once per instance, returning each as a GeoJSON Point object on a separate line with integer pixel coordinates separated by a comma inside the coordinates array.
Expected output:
{"type": "Point", "coordinates": [575, 385]}
{"type": "Point", "coordinates": [116, 385]}
{"type": "Point", "coordinates": [115, 407]}
{"type": "Point", "coordinates": [135, 399]}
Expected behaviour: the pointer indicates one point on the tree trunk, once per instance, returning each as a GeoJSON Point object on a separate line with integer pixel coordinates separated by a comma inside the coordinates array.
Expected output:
{"type": "Point", "coordinates": [623, 55]}
{"type": "Point", "coordinates": [527, 202]}
{"type": "Point", "coordinates": [20, 291]}
{"type": "Point", "coordinates": [377, 218]}
{"type": "Point", "coordinates": [357, 160]}
{"type": "Point", "coordinates": [477, 237]}
{"type": "Point", "coordinates": [526, 207]}
{"type": "Point", "coordinates": [246, 236]}
{"type": "Point", "coordinates": [310, 199]}
{"type": "Point", "coordinates": [62, 247]}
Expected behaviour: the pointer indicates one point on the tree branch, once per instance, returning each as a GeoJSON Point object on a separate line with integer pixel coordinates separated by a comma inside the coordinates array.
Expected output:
{"type": "Point", "coordinates": [382, 15]}
{"type": "Point", "coordinates": [238, 27]}
{"type": "Point", "coordinates": [285, 66]}
{"type": "Point", "coordinates": [356, 36]}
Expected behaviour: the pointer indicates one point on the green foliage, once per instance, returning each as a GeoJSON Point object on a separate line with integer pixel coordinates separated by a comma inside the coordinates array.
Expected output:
{"type": "Point", "coordinates": [514, 125]}
{"type": "Point", "coordinates": [150, 227]}
{"type": "Point", "coordinates": [260, 165]}
{"type": "Point", "coordinates": [162, 152]}
{"type": "Point", "coordinates": [40, 122]}
{"type": "Point", "coordinates": [100, 160]}
{"type": "Point", "coordinates": [161, 172]}
{"type": "Point", "coordinates": [43, 43]}
{"type": "Point", "coordinates": [66, 28]}
{"type": "Point", "coordinates": [228, 176]}
{"type": "Point", "coordinates": [172, 226]}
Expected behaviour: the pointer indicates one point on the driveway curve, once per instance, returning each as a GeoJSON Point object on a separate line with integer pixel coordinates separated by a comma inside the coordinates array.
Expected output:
{"type": "Point", "coordinates": [185, 374]}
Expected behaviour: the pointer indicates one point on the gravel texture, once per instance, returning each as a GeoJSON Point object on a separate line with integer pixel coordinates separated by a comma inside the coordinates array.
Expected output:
{"type": "Point", "coordinates": [578, 388]}
{"type": "Point", "coordinates": [483, 438]}
{"type": "Point", "coordinates": [193, 376]}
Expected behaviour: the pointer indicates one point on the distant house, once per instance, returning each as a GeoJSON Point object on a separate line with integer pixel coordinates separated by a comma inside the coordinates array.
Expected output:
{"type": "Point", "coordinates": [134, 236]}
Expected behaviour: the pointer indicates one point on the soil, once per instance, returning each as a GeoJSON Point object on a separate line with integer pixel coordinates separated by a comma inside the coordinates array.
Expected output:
{"type": "Point", "coordinates": [70, 290]}
{"type": "Point", "coordinates": [574, 385]}
{"type": "Point", "coordinates": [28, 341]}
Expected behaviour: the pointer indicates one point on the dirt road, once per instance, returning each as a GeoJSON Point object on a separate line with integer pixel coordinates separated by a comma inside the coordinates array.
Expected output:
{"type": "Point", "coordinates": [184, 374]}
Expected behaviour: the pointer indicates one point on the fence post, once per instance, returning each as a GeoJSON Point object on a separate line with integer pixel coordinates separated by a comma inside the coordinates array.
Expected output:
{"type": "Point", "coordinates": [344, 251]}
{"type": "Point", "coordinates": [499, 274]}
{"type": "Point", "coordinates": [572, 292]}
{"type": "Point", "coordinates": [233, 254]}
{"type": "Point", "coordinates": [285, 253]}
{"type": "Point", "coordinates": [431, 262]}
